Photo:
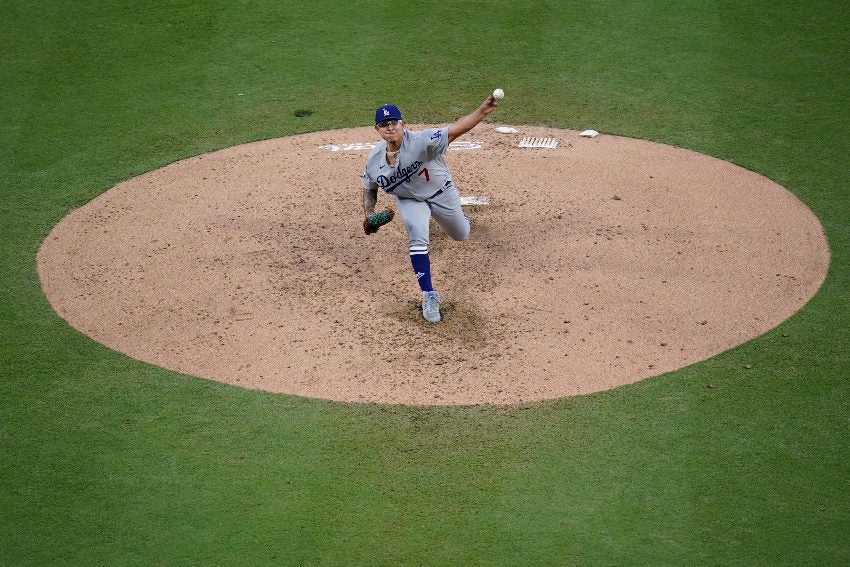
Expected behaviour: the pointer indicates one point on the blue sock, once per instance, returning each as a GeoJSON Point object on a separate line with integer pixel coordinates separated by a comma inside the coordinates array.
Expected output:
{"type": "Point", "coordinates": [422, 268]}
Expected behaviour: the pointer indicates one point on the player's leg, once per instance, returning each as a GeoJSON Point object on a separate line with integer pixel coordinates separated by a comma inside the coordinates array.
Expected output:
{"type": "Point", "coordinates": [449, 214]}
{"type": "Point", "coordinates": [416, 216]}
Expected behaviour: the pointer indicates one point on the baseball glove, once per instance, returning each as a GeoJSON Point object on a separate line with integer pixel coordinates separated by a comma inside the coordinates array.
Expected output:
{"type": "Point", "coordinates": [376, 220]}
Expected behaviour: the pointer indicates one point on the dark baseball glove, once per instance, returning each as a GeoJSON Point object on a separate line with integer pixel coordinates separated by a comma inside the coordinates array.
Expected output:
{"type": "Point", "coordinates": [376, 220]}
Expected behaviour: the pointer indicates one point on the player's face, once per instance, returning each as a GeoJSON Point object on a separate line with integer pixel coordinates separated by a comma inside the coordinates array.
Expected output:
{"type": "Point", "coordinates": [391, 130]}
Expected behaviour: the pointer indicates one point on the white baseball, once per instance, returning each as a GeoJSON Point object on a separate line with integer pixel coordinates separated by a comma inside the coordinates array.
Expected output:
{"type": "Point", "coordinates": [498, 94]}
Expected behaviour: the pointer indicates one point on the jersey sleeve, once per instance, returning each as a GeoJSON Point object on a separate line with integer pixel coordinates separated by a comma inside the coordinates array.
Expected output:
{"type": "Point", "coordinates": [436, 140]}
{"type": "Point", "coordinates": [367, 182]}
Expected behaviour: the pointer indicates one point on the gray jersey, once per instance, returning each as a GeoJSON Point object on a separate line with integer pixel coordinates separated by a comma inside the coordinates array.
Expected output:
{"type": "Point", "coordinates": [420, 170]}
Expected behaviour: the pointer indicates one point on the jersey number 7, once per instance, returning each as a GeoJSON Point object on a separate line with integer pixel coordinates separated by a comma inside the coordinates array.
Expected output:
{"type": "Point", "coordinates": [427, 176]}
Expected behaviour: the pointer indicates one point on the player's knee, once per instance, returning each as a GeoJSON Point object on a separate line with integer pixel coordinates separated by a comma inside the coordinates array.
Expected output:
{"type": "Point", "coordinates": [463, 233]}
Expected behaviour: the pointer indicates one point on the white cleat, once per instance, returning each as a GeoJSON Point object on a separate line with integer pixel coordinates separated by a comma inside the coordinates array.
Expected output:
{"type": "Point", "coordinates": [431, 306]}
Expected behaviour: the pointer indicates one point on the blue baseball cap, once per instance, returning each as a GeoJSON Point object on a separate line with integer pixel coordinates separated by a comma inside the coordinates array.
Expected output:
{"type": "Point", "coordinates": [387, 112]}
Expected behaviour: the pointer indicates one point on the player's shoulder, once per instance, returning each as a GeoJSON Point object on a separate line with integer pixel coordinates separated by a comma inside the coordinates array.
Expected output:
{"type": "Point", "coordinates": [434, 132]}
{"type": "Point", "coordinates": [430, 136]}
{"type": "Point", "coordinates": [377, 151]}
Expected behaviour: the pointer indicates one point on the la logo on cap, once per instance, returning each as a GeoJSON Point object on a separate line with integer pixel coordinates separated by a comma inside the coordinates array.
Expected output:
{"type": "Point", "coordinates": [387, 112]}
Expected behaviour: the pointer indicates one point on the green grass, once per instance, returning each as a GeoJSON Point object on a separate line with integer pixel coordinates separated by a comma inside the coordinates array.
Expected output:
{"type": "Point", "coordinates": [110, 461]}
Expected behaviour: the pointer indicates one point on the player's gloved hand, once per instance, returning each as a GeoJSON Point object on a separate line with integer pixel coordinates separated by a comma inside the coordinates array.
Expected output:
{"type": "Point", "coordinates": [373, 222]}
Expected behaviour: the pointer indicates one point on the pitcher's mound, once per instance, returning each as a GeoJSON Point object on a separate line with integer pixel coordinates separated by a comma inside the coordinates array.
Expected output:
{"type": "Point", "coordinates": [596, 263]}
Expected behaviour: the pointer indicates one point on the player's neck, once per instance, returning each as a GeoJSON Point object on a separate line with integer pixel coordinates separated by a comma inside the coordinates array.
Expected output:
{"type": "Point", "coordinates": [392, 152]}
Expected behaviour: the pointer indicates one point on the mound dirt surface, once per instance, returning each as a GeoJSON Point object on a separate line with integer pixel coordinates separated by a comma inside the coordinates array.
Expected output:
{"type": "Point", "coordinates": [597, 263]}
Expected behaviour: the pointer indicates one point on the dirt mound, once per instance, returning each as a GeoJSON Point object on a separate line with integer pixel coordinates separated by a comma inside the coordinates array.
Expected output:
{"type": "Point", "coordinates": [597, 263]}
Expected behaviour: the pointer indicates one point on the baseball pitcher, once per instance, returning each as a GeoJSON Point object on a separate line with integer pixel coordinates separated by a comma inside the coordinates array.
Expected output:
{"type": "Point", "coordinates": [411, 167]}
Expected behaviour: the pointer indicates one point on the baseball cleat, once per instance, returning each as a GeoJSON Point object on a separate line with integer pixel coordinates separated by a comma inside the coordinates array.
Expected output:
{"type": "Point", "coordinates": [431, 306]}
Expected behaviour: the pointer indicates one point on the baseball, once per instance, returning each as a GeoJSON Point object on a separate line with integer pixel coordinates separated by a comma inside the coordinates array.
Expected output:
{"type": "Point", "coordinates": [498, 94]}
